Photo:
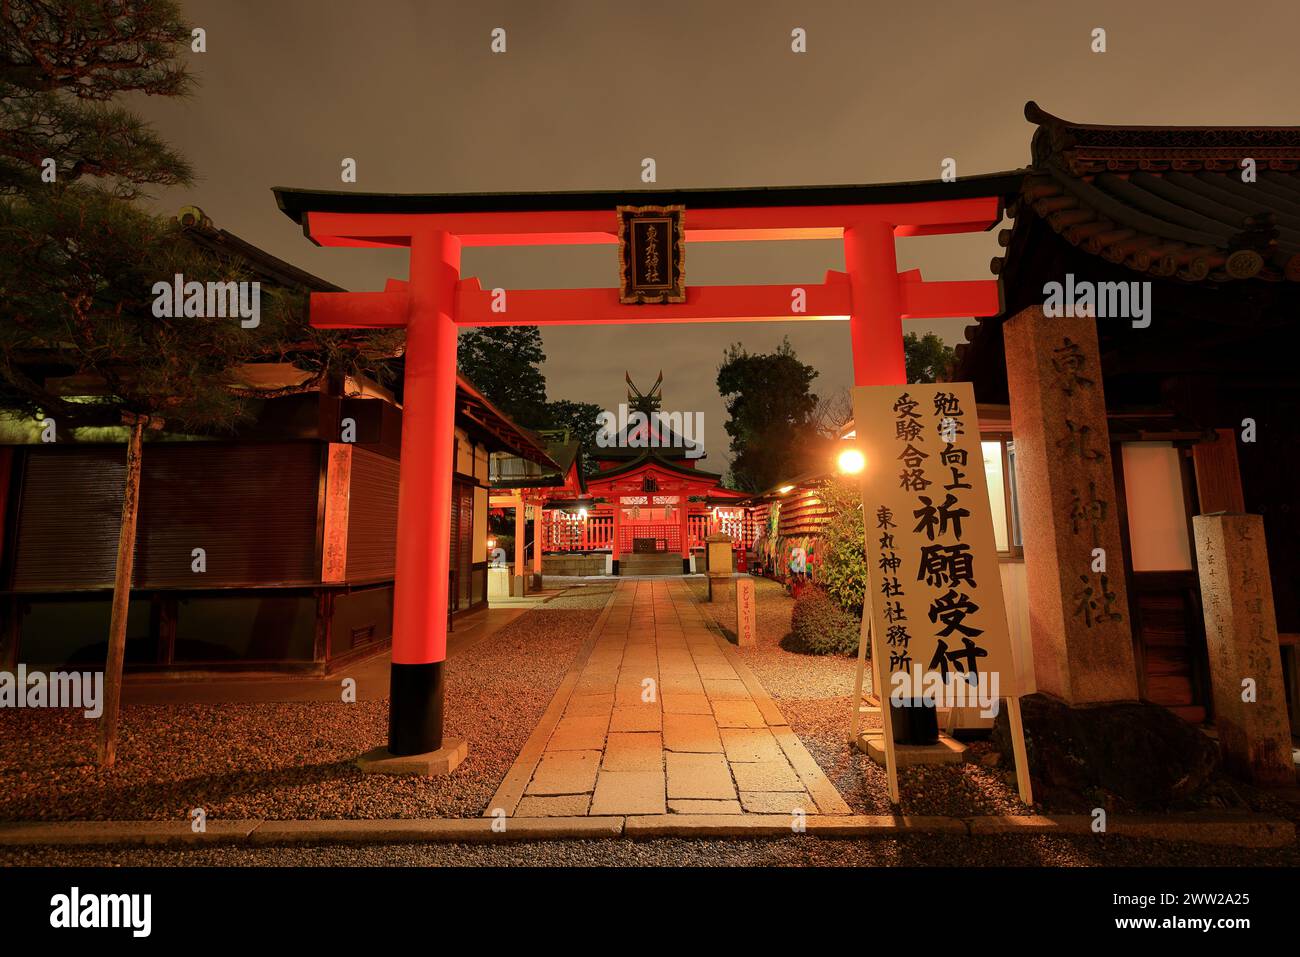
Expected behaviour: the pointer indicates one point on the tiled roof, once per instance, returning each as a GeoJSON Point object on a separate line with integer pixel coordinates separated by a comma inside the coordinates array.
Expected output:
{"type": "Point", "coordinates": [1170, 201]}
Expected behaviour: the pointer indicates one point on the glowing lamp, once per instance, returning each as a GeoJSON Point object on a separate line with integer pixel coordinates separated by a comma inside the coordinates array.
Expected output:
{"type": "Point", "coordinates": [783, 489]}
{"type": "Point", "coordinates": [851, 462]}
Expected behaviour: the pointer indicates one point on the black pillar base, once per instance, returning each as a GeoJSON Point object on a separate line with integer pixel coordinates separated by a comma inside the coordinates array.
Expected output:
{"type": "Point", "coordinates": [686, 566]}
{"type": "Point", "coordinates": [415, 708]}
{"type": "Point", "coordinates": [916, 721]}
{"type": "Point", "coordinates": [616, 566]}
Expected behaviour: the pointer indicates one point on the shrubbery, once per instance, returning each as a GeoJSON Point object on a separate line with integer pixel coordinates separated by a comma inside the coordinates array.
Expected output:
{"type": "Point", "coordinates": [842, 568]}
{"type": "Point", "coordinates": [821, 627]}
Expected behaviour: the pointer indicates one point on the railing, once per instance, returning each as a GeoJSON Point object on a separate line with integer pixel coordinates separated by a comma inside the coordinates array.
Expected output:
{"type": "Point", "coordinates": [561, 533]}
{"type": "Point", "coordinates": [666, 536]}
{"type": "Point", "coordinates": [697, 530]}
{"type": "Point", "coordinates": [569, 533]}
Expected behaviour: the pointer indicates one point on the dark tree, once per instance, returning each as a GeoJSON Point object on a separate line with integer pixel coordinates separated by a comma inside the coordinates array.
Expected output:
{"type": "Point", "coordinates": [927, 358]}
{"type": "Point", "coordinates": [580, 419]}
{"type": "Point", "coordinates": [505, 362]}
{"type": "Point", "coordinates": [770, 407]}
{"type": "Point", "coordinates": [62, 62]}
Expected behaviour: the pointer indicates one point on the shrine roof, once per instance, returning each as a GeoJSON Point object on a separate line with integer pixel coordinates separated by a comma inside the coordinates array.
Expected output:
{"type": "Point", "coordinates": [474, 409]}
{"type": "Point", "coordinates": [1170, 201]}
{"type": "Point", "coordinates": [296, 203]}
{"type": "Point", "coordinates": [647, 459]}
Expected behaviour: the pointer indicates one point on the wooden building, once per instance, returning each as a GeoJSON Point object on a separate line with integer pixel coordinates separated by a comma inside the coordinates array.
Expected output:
{"type": "Point", "coordinates": [297, 528]}
{"type": "Point", "coordinates": [1201, 396]}
{"type": "Point", "coordinates": [646, 510]}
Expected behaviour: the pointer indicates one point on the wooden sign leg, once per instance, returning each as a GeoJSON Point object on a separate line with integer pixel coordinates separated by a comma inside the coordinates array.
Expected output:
{"type": "Point", "coordinates": [886, 716]}
{"type": "Point", "coordinates": [1018, 750]}
{"type": "Point", "coordinates": [864, 636]}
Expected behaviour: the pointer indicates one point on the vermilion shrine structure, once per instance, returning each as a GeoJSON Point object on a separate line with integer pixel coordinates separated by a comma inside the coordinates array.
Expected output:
{"type": "Point", "coordinates": [436, 301]}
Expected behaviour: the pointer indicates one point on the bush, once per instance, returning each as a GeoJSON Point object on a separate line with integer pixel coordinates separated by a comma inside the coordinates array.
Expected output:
{"type": "Point", "coordinates": [820, 627]}
{"type": "Point", "coordinates": [843, 557]}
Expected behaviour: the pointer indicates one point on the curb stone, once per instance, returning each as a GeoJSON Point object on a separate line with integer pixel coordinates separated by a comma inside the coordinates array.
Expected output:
{"type": "Point", "coordinates": [1241, 830]}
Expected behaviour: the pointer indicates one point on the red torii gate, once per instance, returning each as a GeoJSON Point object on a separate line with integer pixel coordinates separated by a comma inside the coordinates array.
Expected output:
{"type": "Point", "coordinates": [436, 301]}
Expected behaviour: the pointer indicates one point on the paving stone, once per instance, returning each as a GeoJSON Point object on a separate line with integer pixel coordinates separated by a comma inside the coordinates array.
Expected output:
{"type": "Point", "coordinates": [630, 695]}
{"type": "Point", "coordinates": [595, 683]}
{"type": "Point", "coordinates": [678, 703]}
{"type": "Point", "coordinates": [766, 776]}
{"type": "Point", "coordinates": [629, 792]}
{"type": "Point", "coordinates": [738, 714]}
{"type": "Point", "coordinates": [777, 802]}
{"type": "Point", "coordinates": [637, 717]}
{"type": "Point", "coordinates": [590, 705]}
{"type": "Point", "coordinates": [565, 772]}
{"type": "Point", "coordinates": [674, 667]}
{"type": "Point", "coordinates": [720, 690]}
{"type": "Point", "coordinates": [718, 669]}
{"type": "Point", "coordinates": [689, 806]}
{"type": "Point", "coordinates": [691, 733]}
{"type": "Point", "coordinates": [681, 684]}
{"type": "Point", "coordinates": [751, 745]}
{"type": "Point", "coordinates": [641, 751]}
{"type": "Point", "coordinates": [699, 776]}
{"type": "Point", "coordinates": [579, 733]}
{"type": "Point", "coordinates": [565, 805]}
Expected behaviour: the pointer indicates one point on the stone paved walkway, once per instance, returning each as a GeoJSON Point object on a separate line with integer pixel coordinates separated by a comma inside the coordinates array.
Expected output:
{"type": "Point", "coordinates": [660, 715]}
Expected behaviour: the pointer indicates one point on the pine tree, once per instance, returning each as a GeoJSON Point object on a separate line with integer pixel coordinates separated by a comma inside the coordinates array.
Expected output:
{"type": "Point", "coordinates": [80, 342]}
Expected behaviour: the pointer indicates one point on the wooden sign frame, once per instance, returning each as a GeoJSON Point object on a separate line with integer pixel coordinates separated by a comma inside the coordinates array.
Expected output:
{"type": "Point", "coordinates": [869, 632]}
{"type": "Point", "coordinates": [633, 285]}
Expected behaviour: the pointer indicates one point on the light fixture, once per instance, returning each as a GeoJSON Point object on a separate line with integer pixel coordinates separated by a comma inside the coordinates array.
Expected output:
{"type": "Point", "coordinates": [783, 489]}
{"type": "Point", "coordinates": [851, 462]}
{"type": "Point", "coordinates": [582, 514]}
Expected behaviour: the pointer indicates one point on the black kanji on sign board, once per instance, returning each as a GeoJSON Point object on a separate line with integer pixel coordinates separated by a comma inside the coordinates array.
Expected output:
{"type": "Point", "coordinates": [651, 254]}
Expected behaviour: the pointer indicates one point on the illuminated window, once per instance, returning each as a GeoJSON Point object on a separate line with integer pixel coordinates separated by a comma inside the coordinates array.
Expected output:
{"type": "Point", "coordinates": [999, 472]}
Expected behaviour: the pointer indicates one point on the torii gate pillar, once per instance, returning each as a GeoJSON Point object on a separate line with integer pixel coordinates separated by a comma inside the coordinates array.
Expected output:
{"type": "Point", "coordinates": [876, 321]}
{"type": "Point", "coordinates": [875, 298]}
{"type": "Point", "coordinates": [423, 517]}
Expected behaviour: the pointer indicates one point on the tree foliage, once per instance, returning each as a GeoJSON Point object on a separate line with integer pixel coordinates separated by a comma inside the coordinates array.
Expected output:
{"type": "Point", "coordinates": [61, 64]}
{"type": "Point", "coordinates": [769, 404]}
{"type": "Point", "coordinates": [504, 362]}
{"type": "Point", "coordinates": [79, 340]}
{"type": "Point", "coordinates": [580, 419]}
{"type": "Point", "coordinates": [927, 357]}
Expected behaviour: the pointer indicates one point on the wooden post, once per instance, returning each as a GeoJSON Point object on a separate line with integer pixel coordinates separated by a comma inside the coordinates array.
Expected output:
{"type": "Point", "coordinates": [521, 531]}
{"type": "Point", "coordinates": [864, 637]}
{"type": "Point", "coordinates": [121, 592]}
{"type": "Point", "coordinates": [1018, 750]}
{"type": "Point", "coordinates": [685, 523]}
{"type": "Point", "coordinates": [618, 526]}
{"type": "Point", "coordinates": [537, 545]}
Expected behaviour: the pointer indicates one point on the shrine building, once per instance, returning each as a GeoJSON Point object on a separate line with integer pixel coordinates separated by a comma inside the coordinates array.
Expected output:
{"type": "Point", "coordinates": [645, 509]}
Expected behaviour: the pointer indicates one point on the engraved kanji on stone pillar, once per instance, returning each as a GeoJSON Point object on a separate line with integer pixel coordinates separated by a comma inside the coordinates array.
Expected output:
{"type": "Point", "coordinates": [1074, 566]}
{"type": "Point", "coordinates": [1241, 637]}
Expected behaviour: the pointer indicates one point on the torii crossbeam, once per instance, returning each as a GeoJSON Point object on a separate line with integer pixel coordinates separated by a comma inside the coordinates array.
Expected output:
{"type": "Point", "coordinates": [435, 301]}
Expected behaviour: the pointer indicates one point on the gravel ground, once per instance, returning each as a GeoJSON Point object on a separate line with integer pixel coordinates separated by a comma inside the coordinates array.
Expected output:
{"type": "Point", "coordinates": [913, 850]}
{"type": "Point", "coordinates": [582, 594]}
{"type": "Point", "coordinates": [286, 761]}
{"type": "Point", "coordinates": [815, 692]}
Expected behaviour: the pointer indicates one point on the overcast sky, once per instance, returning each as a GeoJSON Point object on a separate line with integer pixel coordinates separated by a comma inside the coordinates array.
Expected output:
{"type": "Point", "coordinates": [712, 91]}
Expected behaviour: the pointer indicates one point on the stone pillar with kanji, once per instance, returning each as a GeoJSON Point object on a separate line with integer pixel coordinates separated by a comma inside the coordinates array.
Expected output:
{"type": "Point", "coordinates": [1241, 638]}
{"type": "Point", "coordinates": [1074, 562]}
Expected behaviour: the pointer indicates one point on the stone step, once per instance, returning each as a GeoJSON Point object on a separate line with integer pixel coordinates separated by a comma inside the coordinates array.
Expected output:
{"type": "Point", "coordinates": [650, 564]}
